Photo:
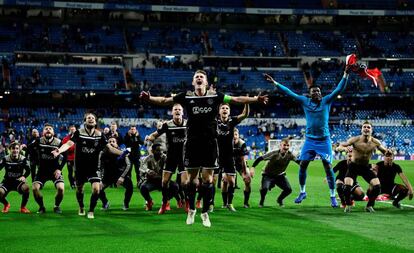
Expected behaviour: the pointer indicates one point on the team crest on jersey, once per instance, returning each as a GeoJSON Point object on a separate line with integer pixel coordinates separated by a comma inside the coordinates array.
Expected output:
{"type": "Point", "coordinates": [210, 101]}
{"type": "Point", "coordinates": [186, 162]}
{"type": "Point", "coordinates": [192, 101]}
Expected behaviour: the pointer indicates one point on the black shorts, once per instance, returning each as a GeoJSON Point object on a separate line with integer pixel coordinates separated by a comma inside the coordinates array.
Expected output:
{"type": "Point", "coordinates": [227, 166]}
{"type": "Point", "coordinates": [173, 162]}
{"type": "Point", "coordinates": [113, 179]}
{"type": "Point", "coordinates": [43, 176]}
{"type": "Point", "coordinates": [110, 178]}
{"type": "Point", "coordinates": [200, 153]}
{"type": "Point", "coordinates": [387, 188]}
{"type": "Point", "coordinates": [281, 181]}
{"type": "Point", "coordinates": [85, 174]}
{"type": "Point", "coordinates": [365, 171]}
{"type": "Point", "coordinates": [341, 175]}
{"type": "Point", "coordinates": [354, 186]}
{"type": "Point", "coordinates": [239, 168]}
{"type": "Point", "coordinates": [12, 185]}
{"type": "Point", "coordinates": [151, 186]}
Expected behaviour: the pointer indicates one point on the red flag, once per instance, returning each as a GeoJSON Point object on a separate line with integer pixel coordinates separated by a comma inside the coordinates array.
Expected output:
{"type": "Point", "coordinates": [374, 75]}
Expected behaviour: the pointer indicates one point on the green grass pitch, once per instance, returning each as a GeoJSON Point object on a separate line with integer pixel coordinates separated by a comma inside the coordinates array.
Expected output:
{"type": "Point", "coordinates": [312, 226]}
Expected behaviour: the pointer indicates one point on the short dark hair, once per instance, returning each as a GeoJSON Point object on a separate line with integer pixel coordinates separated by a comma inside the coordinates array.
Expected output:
{"type": "Point", "coordinates": [14, 144]}
{"type": "Point", "coordinates": [314, 86]}
{"type": "Point", "coordinates": [389, 153]}
{"type": "Point", "coordinates": [113, 137]}
{"type": "Point", "coordinates": [132, 126]}
{"type": "Point", "coordinates": [47, 125]}
{"type": "Point", "coordinates": [89, 113]}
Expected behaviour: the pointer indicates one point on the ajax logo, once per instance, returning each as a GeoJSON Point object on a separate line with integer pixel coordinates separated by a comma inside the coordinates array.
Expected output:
{"type": "Point", "coordinates": [203, 110]}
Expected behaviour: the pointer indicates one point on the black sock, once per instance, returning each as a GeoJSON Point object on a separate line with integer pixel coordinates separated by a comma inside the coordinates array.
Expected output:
{"type": "Point", "coordinates": [4, 201]}
{"type": "Point", "coordinates": [207, 196]}
{"type": "Point", "coordinates": [103, 198]}
{"type": "Point", "coordinates": [93, 202]}
{"type": "Point", "coordinates": [340, 190]}
{"type": "Point", "coordinates": [284, 194]}
{"type": "Point", "coordinates": [224, 197]}
{"type": "Point", "coordinates": [25, 198]}
{"type": "Point", "coordinates": [79, 197]}
{"type": "Point", "coordinates": [165, 194]}
{"type": "Point", "coordinates": [191, 195]}
{"type": "Point", "coordinates": [39, 200]}
{"type": "Point", "coordinates": [129, 188]}
{"type": "Point", "coordinates": [200, 193]}
{"type": "Point", "coordinates": [230, 194]}
{"type": "Point", "coordinates": [58, 199]}
{"type": "Point", "coordinates": [373, 194]}
{"type": "Point", "coordinates": [347, 194]}
{"type": "Point", "coordinates": [185, 191]}
{"type": "Point", "coordinates": [246, 197]}
{"type": "Point", "coordinates": [213, 194]}
{"type": "Point", "coordinates": [263, 193]}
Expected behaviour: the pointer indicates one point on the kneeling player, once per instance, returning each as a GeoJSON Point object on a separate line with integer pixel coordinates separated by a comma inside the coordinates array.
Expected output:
{"type": "Point", "coordinates": [17, 169]}
{"type": "Point", "coordinates": [356, 190]}
{"type": "Point", "coordinates": [50, 168]}
{"type": "Point", "coordinates": [364, 146]}
{"type": "Point", "coordinates": [114, 170]}
{"type": "Point", "coordinates": [386, 172]}
{"type": "Point", "coordinates": [151, 176]}
{"type": "Point", "coordinates": [275, 171]}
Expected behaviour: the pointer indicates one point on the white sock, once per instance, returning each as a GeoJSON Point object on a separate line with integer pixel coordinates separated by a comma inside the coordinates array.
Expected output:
{"type": "Point", "coordinates": [332, 191]}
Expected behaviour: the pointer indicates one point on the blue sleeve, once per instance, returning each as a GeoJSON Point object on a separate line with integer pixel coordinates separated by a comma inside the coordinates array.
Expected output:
{"type": "Point", "coordinates": [285, 90]}
{"type": "Point", "coordinates": [338, 90]}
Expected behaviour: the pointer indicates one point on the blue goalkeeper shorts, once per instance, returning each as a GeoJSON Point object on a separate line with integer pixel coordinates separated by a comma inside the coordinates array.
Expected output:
{"type": "Point", "coordinates": [313, 147]}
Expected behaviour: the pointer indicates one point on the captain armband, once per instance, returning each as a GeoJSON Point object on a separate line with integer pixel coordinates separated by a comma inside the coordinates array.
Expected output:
{"type": "Point", "coordinates": [227, 99]}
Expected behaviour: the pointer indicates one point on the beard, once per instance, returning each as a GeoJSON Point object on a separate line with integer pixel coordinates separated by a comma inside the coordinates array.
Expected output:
{"type": "Point", "coordinates": [90, 127]}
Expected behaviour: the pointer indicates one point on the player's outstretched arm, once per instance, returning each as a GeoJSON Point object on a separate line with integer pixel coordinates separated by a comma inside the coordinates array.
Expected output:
{"type": "Point", "coordinates": [280, 87]}
{"type": "Point", "coordinates": [257, 161]}
{"type": "Point", "coordinates": [249, 100]}
{"type": "Point", "coordinates": [245, 113]}
{"type": "Point", "coordinates": [339, 88]}
{"type": "Point", "coordinates": [146, 96]}
{"type": "Point", "coordinates": [346, 146]}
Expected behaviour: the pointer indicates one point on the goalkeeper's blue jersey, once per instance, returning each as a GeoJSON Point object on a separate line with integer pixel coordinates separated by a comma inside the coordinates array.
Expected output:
{"type": "Point", "coordinates": [317, 114]}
